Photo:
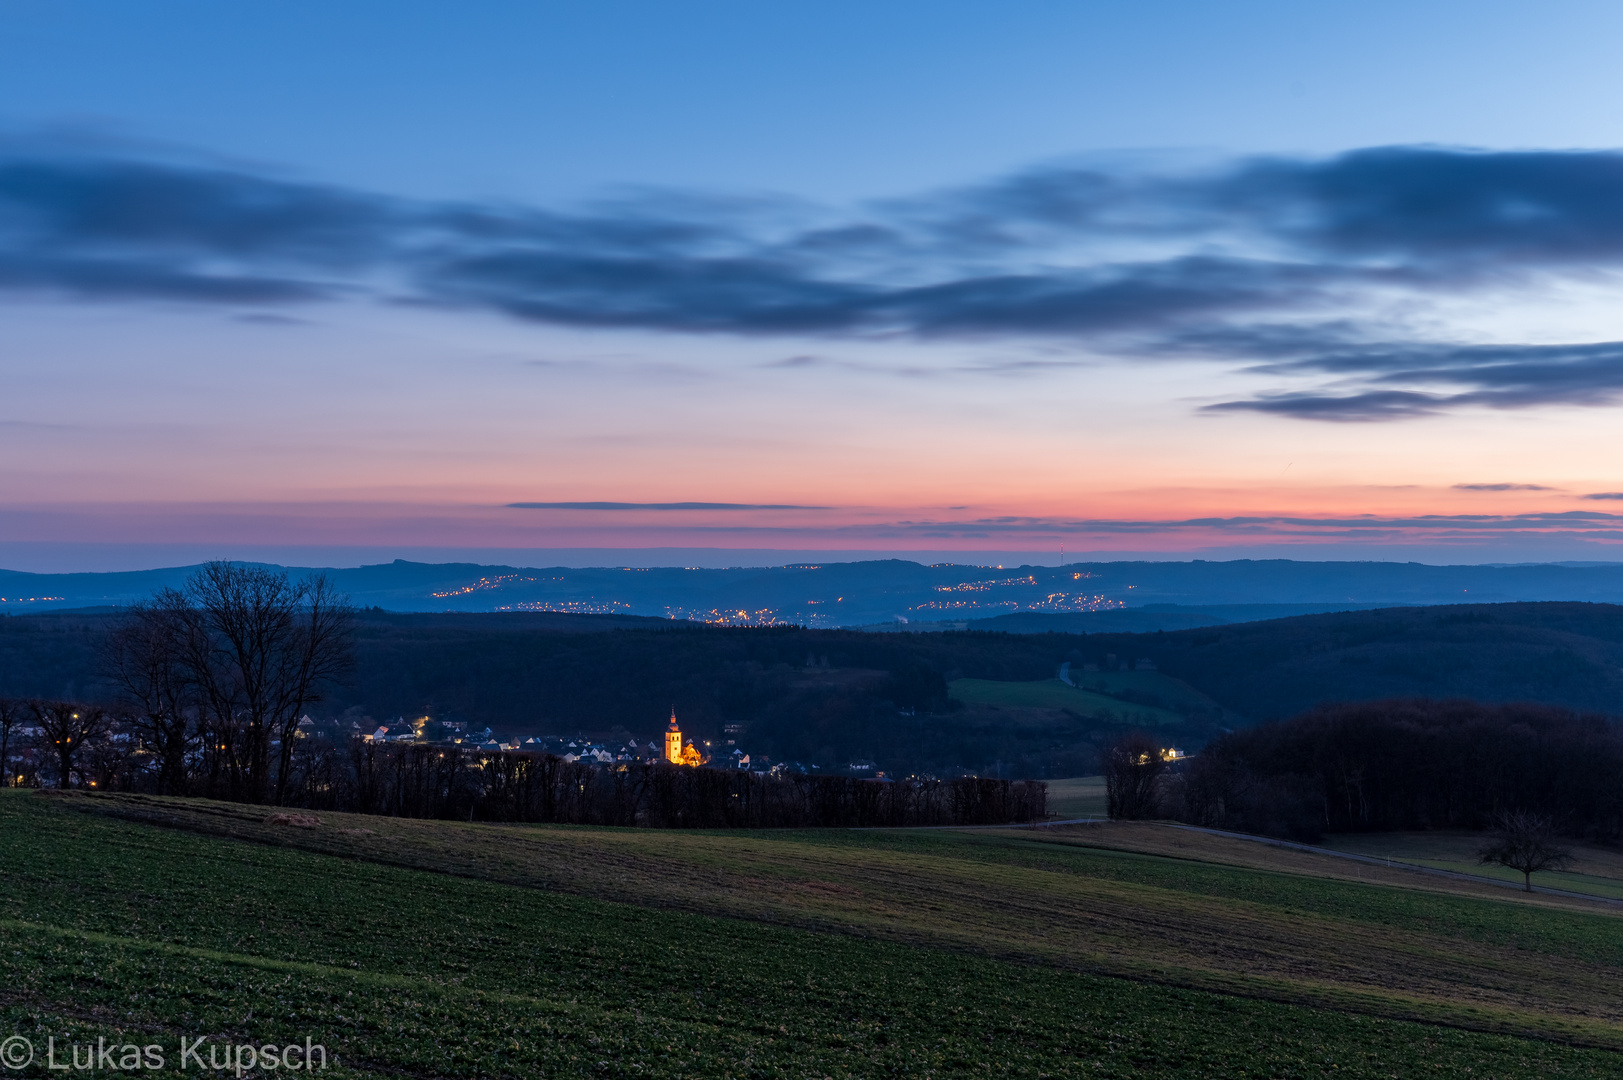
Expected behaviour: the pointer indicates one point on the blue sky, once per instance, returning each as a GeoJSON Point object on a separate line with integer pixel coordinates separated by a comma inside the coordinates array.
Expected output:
{"type": "Point", "coordinates": [1169, 278]}
{"type": "Point", "coordinates": [830, 100]}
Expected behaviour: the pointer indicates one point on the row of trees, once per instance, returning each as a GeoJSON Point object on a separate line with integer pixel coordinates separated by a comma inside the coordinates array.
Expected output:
{"type": "Point", "coordinates": [213, 680]}
{"type": "Point", "coordinates": [430, 782]}
{"type": "Point", "coordinates": [1386, 765]}
{"type": "Point", "coordinates": [89, 748]}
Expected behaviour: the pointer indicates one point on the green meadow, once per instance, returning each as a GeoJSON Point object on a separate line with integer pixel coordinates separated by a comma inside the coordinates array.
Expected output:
{"type": "Point", "coordinates": [437, 949]}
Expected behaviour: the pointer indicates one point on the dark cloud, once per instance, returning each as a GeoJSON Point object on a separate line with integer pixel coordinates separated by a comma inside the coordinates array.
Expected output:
{"type": "Point", "coordinates": [1363, 525]}
{"type": "Point", "coordinates": [1438, 204]}
{"type": "Point", "coordinates": [1605, 495]}
{"type": "Point", "coordinates": [1253, 262]}
{"type": "Point", "coordinates": [1605, 530]}
{"type": "Point", "coordinates": [270, 318]}
{"type": "Point", "coordinates": [1429, 207]}
{"type": "Point", "coordinates": [1352, 408]}
{"type": "Point", "coordinates": [1425, 379]}
{"type": "Point", "coordinates": [142, 206]}
{"type": "Point", "coordinates": [657, 506]}
{"type": "Point", "coordinates": [124, 229]}
{"type": "Point", "coordinates": [1502, 487]}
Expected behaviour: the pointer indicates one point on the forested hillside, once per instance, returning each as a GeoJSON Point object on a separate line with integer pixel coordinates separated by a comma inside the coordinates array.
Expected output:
{"type": "Point", "coordinates": [1567, 654]}
{"type": "Point", "coordinates": [834, 696]}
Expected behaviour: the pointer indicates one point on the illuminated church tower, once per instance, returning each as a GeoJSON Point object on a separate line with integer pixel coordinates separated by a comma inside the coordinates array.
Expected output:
{"type": "Point", "coordinates": [673, 741]}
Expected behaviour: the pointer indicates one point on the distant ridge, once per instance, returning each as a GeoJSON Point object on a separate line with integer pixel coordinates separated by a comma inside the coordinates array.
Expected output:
{"type": "Point", "coordinates": [1153, 617]}
{"type": "Point", "coordinates": [1079, 597]}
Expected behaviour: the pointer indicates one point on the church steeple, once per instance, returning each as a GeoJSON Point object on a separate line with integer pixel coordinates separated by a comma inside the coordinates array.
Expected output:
{"type": "Point", "coordinates": [673, 741]}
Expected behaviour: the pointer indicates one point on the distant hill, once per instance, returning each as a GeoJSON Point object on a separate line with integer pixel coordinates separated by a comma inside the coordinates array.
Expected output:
{"type": "Point", "coordinates": [1568, 654]}
{"type": "Point", "coordinates": [897, 594]}
{"type": "Point", "coordinates": [1150, 618]}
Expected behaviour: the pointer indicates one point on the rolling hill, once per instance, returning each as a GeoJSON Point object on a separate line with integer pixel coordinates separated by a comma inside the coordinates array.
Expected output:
{"type": "Point", "coordinates": [442, 949]}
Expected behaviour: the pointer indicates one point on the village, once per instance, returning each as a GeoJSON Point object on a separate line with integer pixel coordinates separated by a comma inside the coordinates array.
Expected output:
{"type": "Point", "coordinates": [674, 749]}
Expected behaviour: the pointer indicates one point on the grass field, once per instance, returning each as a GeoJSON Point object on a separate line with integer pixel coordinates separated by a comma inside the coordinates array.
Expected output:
{"type": "Point", "coordinates": [442, 949]}
{"type": "Point", "coordinates": [1595, 870]}
{"type": "Point", "coordinates": [1053, 694]}
{"type": "Point", "coordinates": [1077, 797]}
{"type": "Point", "coordinates": [1175, 692]}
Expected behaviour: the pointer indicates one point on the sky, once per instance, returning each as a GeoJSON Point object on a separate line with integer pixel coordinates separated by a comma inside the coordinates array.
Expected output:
{"type": "Point", "coordinates": [720, 282]}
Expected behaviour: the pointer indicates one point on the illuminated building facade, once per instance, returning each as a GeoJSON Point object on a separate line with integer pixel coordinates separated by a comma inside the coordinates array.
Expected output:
{"type": "Point", "coordinates": [673, 741]}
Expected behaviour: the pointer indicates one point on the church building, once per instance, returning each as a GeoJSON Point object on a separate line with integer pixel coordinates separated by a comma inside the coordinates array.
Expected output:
{"type": "Point", "coordinates": [673, 741]}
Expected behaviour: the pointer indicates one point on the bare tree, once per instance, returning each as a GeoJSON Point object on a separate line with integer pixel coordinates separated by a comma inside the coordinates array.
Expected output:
{"type": "Point", "coordinates": [110, 761]}
{"type": "Point", "coordinates": [1526, 843]}
{"type": "Point", "coordinates": [11, 717]}
{"type": "Point", "coordinates": [65, 728]}
{"type": "Point", "coordinates": [1133, 768]}
{"type": "Point", "coordinates": [260, 649]}
{"type": "Point", "coordinates": [146, 656]}
{"type": "Point", "coordinates": [319, 653]}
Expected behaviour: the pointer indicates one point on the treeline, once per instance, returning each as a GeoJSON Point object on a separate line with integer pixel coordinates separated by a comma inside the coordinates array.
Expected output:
{"type": "Point", "coordinates": [427, 782]}
{"type": "Point", "coordinates": [1405, 764]}
{"type": "Point", "coordinates": [449, 782]}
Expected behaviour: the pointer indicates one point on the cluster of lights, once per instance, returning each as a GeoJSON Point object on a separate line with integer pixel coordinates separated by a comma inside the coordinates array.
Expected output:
{"type": "Point", "coordinates": [960, 605]}
{"type": "Point", "coordinates": [734, 616]}
{"type": "Point", "coordinates": [1080, 602]}
{"type": "Point", "coordinates": [485, 583]}
{"type": "Point", "coordinates": [983, 586]}
{"type": "Point", "coordinates": [28, 599]}
{"type": "Point", "coordinates": [572, 607]}
{"type": "Point", "coordinates": [1054, 601]}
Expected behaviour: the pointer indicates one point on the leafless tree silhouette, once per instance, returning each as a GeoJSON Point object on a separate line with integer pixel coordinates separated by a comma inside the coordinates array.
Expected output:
{"type": "Point", "coordinates": [65, 727]}
{"type": "Point", "coordinates": [145, 656]}
{"type": "Point", "coordinates": [1526, 843]}
{"type": "Point", "coordinates": [257, 649]}
{"type": "Point", "coordinates": [11, 716]}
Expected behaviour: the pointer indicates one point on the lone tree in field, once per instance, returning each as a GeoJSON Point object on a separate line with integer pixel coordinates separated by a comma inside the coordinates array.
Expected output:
{"type": "Point", "coordinates": [1527, 843]}
{"type": "Point", "coordinates": [1133, 769]}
